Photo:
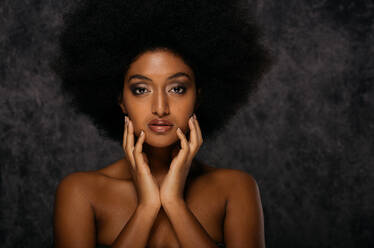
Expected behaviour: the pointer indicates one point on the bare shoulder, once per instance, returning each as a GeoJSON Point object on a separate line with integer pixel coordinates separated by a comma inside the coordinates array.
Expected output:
{"type": "Point", "coordinates": [120, 169]}
{"type": "Point", "coordinates": [80, 182]}
{"type": "Point", "coordinates": [232, 179]}
{"type": "Point", "coordinates": [240, 177]}
{"type": "Point", "coordinates": [87, 179]}
{"type": "Point", "coordinates": [230, 176]}
{"type": "Point", "coordinates": [73, 212]}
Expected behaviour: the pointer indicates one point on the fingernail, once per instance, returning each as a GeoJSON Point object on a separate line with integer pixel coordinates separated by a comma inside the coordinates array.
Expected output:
{"type": "Point", "coordinates": [194, 116]}
{"type": "Point", "coordinates": [126, 120]}
{"type": "Point", "coordinates": [142, 133]}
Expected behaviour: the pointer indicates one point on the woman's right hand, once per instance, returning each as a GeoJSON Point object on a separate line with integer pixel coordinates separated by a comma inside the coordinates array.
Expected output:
{"type": "Point", "coordinates": [145, 183]}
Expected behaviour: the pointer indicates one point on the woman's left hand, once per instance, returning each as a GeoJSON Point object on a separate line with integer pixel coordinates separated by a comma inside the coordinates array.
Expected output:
{"type": "Point", "coordinates": [172, 187]}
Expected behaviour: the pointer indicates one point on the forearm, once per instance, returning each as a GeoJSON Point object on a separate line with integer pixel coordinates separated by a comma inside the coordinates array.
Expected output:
{"type": "Point", "coordinates": [136, 232]}
{"type": "Point", "coordinates": [182, 219]}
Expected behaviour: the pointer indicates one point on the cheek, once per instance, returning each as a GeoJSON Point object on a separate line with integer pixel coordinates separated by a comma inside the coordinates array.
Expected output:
{"type": "Point", "coordinates": [136, 113]}
{"type": "Point", "coordinates": [184, 115]}
{"type": "Point", "coordinates": [184, 111]}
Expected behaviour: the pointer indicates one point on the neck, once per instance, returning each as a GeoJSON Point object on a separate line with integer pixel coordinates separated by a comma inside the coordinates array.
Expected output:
{"type": "Point", "coordinates": [159, 158]}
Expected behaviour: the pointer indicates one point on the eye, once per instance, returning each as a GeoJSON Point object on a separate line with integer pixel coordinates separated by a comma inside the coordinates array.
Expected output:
{"type": "Point", "coordinates": [138, 90]}
{"type": "Point", "coordinates": [179, 89]}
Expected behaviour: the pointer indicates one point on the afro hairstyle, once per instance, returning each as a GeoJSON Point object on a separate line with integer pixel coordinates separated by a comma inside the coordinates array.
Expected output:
{"type": "Point", "coordinates": [217, 39]}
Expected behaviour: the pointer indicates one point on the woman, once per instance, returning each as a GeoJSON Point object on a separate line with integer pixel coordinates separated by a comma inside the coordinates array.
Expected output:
{"type": "Point", "coordinates": [159, 60]}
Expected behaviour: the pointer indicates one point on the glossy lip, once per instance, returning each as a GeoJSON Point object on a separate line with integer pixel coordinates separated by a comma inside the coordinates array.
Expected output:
{"type": "Point", "coordinates": [160, 129]}
{"type": "Point", "coordinates": [160, 126]}
{"type": "Point", "coordinates": [160, 122]}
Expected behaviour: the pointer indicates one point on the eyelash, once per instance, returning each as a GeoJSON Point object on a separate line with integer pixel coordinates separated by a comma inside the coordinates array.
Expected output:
{"type": "Point", "coordinates": [142, 88]}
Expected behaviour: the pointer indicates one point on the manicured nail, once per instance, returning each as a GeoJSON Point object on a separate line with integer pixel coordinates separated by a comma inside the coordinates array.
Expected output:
{"type": "Point", "coordinates": [142, 133]}
{"type": "Point", "coordinates": [194, 116]}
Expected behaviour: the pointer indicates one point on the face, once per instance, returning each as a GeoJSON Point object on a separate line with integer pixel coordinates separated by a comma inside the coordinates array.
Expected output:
{"type": "Point", "coordinates": [159, 86]}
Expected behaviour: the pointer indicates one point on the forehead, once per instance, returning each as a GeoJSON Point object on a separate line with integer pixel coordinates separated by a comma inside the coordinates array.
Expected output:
{"type": "Point", "coordinates": [159, 63]}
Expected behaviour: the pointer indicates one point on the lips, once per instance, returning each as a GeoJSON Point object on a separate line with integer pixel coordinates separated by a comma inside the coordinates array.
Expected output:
{"type": "Point", "coordinates": [160, 122]}
{"type": "Point", "coordinates": [160, 126]}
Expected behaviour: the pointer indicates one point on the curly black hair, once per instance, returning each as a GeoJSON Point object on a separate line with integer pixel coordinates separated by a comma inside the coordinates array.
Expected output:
{"type": "Point", "coordinates": [217, 39]}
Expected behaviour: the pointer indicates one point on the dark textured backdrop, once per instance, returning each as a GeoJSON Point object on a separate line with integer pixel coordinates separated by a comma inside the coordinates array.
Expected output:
{"type": "Point", "coordinates": [306, 136]}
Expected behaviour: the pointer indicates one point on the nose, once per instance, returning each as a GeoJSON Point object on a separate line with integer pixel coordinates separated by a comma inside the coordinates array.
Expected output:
{"type": "Point", "coordinates": [160, 105]}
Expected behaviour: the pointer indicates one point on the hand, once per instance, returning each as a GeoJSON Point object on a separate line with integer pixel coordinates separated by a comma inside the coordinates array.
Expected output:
{"type": "Point", "coordinates": [172, 187]}
{"type": "Point", "coordinates": [145, 183]}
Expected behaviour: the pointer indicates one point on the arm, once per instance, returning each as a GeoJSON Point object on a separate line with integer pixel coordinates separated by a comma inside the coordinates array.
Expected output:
{"type": "Point", "coordinates": [182, 219]}
{"type": "Point", "coordinates": [172, 187]}
{"type": "Point", "coordinates": [243, 225]}
{"type": "Point", "coordinates": [74, 219]}
{"type": "Point", "coordinates": [136, 231]}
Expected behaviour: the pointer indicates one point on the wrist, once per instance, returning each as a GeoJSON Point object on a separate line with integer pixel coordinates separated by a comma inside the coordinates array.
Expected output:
{"type": "Point", "coordinates": [149, 207]}
{"type": "Point", "coordinates": [173, 203]}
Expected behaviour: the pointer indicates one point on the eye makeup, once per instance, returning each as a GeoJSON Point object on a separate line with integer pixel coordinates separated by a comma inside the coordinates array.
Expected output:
{"type": "Point", "coordinates": [141, 88]}
{"type": "Point", "coordinates": [182, 89]}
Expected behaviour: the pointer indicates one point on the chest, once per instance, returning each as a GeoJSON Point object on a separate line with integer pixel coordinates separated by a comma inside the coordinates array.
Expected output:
{"type": "Point", "coordinates": [207, 204]}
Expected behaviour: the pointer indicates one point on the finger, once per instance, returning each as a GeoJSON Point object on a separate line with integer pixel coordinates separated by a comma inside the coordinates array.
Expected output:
{"type": "Point", "coordinates": [130, 134]}
{"type": "Point", "coordinates": [145, 158]}
{"type": "Point", "coordinates": [184, 144]}
{"type": "Point", "coordinates": [125, 134]}
{"type": "Point", "coordinates": [193, 134]}
{"type": "Point", "coordinates": [138, 155]}
{"type": "Point", "coordinates": [130, 142]}
{"type": "Point", "coordinates": [198, 131]}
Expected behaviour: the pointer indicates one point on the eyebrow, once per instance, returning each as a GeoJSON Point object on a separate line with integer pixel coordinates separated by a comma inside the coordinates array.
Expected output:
{"type": "Point", "coordinates": [178, 74]}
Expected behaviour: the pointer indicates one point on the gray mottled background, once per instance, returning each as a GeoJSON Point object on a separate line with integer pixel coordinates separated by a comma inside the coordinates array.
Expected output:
{"type": "Point", "coordinates": [306, 136]}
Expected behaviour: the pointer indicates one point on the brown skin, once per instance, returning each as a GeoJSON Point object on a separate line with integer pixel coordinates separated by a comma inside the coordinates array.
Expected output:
{"type": "Point", "coordinates": [158, 195]}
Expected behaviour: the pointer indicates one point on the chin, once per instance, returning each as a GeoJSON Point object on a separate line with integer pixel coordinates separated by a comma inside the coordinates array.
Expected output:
{"type": "Point", "coordinates": [161, 141]}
